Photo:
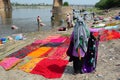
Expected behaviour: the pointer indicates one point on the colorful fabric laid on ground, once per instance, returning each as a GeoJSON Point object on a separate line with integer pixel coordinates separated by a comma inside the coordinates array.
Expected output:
{"type": "Point", "coordinates": [66, 43]}
{"type": "Point", "coordinates": [111, 27]}
{"type": "Point", "coordinates": [39, 52]}
{"type": "Point", "coordinates": [50, 68]}
{"type": "Point", "coordinates": [28, 67]}
{"type": "Point", "coordinates": [46, 40]}
{"type": "Point", "coordinates": [53, 48]}
{"type": "Point", "coordinates": [39, 41]}
{"type": "Point", "coordinates": [51, 44]}
{"type": "Point", "coordinates": [53, 37]}
{"type": "Point", "coordinates": [59, 53]}
{"type": "Point", "coordinates": [117, 17]}
{"type": "Point", "coordinates": [8, 63]}
{"type": "Point", "coordinates": [108, 35]}
{"type": "Point", "coordinates": [96, 29]}
{"type": "Point", "coordinates": [24, 51]}
{"type": "Point", "coordinates": [111, 24]}
{"type": "Point", "coordinates": [58, 40]}
{"type": "Point", "coordinates": [98, 26]}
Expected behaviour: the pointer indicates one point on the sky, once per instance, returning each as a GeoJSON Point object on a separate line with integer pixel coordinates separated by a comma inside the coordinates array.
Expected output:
{"type": "Point", "coordinates": [77, 2]}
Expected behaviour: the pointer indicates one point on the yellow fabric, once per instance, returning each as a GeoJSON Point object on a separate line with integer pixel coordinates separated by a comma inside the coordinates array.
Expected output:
{"type": "Point", "coordinates": [30, 65]}
{"type": "Point", "coordinates": [111, 24]}
{"type": "Point", "coordinates": [39, 52]}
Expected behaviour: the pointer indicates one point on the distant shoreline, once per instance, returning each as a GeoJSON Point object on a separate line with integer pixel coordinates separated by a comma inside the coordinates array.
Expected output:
{"type": "Point", "coordinates": [48, 6]}
{"type": "Point", "coordinates": [31, 7]}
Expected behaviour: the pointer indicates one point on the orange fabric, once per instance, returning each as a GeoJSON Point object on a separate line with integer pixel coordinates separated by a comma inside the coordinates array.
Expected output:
{"type": "Point", "coordinates": [30, 65]}
{"type": "Point", "coordinates": [39, 52]}
{"type": "Point", "coordinates": [0, 42]}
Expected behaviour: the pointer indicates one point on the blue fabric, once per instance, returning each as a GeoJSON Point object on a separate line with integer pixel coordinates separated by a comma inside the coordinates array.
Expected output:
{"type": "Point", "coordinates": [18, 37]}
{"type": "Point", "coordinates": [3, 40]}
{"type": "Point", "coordinates": [117, 17]}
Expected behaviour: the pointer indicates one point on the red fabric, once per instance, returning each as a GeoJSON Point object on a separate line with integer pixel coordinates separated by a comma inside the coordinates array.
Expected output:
{"type": "Point", "coordinates": [60, 53]}
{"type": "Point", "coordinates": [66, 42]}
{"type": "Point", "coordinates": [50, 68]}
{"type": "Point", "coordinates": [108, 35]}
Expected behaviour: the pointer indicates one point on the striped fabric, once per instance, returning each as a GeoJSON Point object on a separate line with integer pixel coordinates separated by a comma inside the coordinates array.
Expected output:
{"type": "Point", "coordinates": [30, 65]}
{"type": "Point", "coordinates": [39, 52]}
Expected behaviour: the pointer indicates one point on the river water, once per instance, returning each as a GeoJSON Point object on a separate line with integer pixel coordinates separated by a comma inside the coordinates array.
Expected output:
{"type": "Point", "coordinates": [25, 20]}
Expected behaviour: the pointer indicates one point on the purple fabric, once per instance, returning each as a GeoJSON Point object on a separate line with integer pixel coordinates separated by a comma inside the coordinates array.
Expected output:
{"type": "Point", "coordinates": [82, 54]}
{"type": "Point", "coordinates": [71, 50]}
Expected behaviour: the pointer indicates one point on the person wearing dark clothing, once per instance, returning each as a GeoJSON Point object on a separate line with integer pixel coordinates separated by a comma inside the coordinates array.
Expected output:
{"type": "Point", "coordinates": [78, 45]}
{"type": "Point", "coordinates": [52, 20]}
{"type": "Point", "coordinates": [93, 15]}
{"type": "Point", "coordinates": [83, 49]}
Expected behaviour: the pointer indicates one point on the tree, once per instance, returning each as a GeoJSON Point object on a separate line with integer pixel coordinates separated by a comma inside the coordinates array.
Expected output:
{"type": "Point", "coordinates": [66, 4]}
{"type": "Point", "coordinates": [106, 4]}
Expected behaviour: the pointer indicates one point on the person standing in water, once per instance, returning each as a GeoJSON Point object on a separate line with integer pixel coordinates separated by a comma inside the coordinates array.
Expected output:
{"type": "Point", "coordinates": [39, 22]}
{"type": "Point", "coordinates": [52, 20]}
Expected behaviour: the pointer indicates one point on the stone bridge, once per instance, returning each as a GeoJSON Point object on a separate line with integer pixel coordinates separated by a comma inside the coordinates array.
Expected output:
{"type": "Point", "coordinates": [5, 4]}
{"type": "Point", "coordinates": [59, 11]}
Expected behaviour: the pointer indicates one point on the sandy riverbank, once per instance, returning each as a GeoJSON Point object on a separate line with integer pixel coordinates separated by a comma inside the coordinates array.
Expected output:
{"type": "Point", "coordinates": [108, 65]}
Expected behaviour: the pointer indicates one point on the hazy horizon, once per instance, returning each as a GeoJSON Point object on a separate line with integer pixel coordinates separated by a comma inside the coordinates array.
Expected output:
{"type": "Point", "coordinates": [71, 2]}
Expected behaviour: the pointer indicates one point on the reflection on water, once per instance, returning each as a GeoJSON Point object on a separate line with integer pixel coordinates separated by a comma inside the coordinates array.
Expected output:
{"type": "Point", "coordinates": [24, 19]}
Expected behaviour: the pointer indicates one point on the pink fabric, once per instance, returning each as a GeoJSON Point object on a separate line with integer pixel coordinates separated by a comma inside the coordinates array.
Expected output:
{"type": "Point", "coordinates": [58, 40]}
{"type": "Point", "coordinates": [46, 40]}
{"type": "Point", "coordinates": [40, 41]}
{"type": "Point", "coordinates": [8, 63]}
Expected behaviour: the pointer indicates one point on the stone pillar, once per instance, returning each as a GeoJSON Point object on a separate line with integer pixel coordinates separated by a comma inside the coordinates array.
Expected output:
{"type": "Point", "coordinates": [5, 15]}
{"type": "Point", "coordinates": [57, 3]}
{"type": "Point", "coordinates": [60, 12]}
{"type": "Point", "coordinates": [5, 5]}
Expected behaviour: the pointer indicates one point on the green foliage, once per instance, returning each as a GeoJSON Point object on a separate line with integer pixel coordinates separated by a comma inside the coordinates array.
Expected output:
{"type": "Point", "coordinates": [106, 4]}
{"type": "Point", "coordinates": [65, 4]}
